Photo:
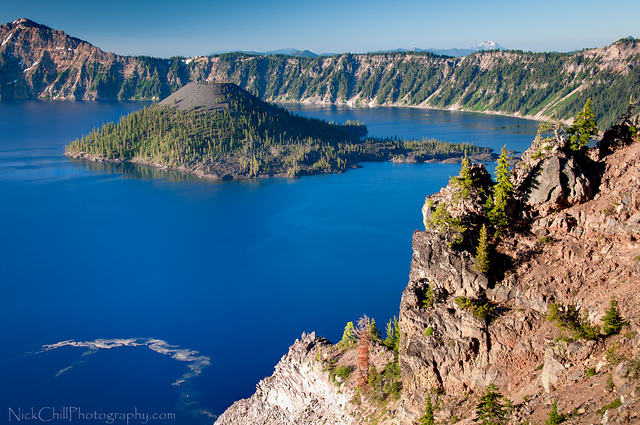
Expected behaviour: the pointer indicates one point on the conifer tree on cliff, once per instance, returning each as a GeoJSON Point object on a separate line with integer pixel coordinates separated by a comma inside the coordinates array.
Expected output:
{"type": "Point", "coordinates": [464, 181]}
{"type": "Point", "coordinates": [427, 418]}
{"type": "Point", "coordinates": [348, 336]}
{"type": "Point", "coordinates": [497, 206]}
{"type": "Point", "coordinates": [393, 334]}
{"type": "Point", "coordinates": [491, 408]}
{"type": "Point", "coordinates": [482, 251]}
{"type": "Point", "coordinates": [612, 319]}
{"type": "Point", "coordinates": [584, 127]}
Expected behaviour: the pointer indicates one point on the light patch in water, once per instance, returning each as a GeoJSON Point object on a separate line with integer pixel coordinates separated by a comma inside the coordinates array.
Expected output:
{"type": "Point", "coordinates": [196, 363]}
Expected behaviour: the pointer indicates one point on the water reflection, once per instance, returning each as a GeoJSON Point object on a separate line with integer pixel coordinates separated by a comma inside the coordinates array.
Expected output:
{"type": "Point", "coordinates": [489, 130]}
{"type": "Point", "coordinates": [130, 170]}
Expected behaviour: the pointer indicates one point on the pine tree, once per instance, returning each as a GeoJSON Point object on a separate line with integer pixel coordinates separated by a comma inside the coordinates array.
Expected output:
{"type": "Point", "coordinates": [464, 181]}
{"type": "Point", "coordinates": [482, 251]}
{"type": "Point", "coordinates": [491, 409]}
{"type": "Point", "coordinates": [429, 296]}
{"type": "Point", "coordinates": [612, 319]}
{"type": "Point", "coordinates": [427, 418]}
{"type": "Point", "coordinates": [583, 128]}
{"type": "Point", "coordinates": [554, 417]}
{"type": "Point", "coordinates": [374, 332]}
{"type": "Point", "coordinates": [348, 336]}
{"type": "Point", "coordinates": [374, 377]}
{"type": "Point", "coordinates": [393, 334]}
{"type": "Point", "coordinates": [503, 190]}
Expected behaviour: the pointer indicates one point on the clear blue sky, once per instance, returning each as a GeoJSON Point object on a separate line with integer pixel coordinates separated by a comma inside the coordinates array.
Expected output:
{"type": "Point", "coordinates": [197, 27]}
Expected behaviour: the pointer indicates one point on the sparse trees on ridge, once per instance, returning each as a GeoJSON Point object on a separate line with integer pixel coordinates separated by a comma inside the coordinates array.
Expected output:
{"type": "Point", "coordinates": [576, 136]}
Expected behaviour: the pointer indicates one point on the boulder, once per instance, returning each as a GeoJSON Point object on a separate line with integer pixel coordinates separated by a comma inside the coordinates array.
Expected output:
{"type": "Point", "coordinates": [553, 372]}
{"type": "Point", "coordinates": [556, 183]}
{"type": "Point", "coordinates": [619, 375]}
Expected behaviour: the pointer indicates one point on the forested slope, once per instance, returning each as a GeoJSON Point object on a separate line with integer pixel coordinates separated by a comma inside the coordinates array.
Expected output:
{"type": "Point", "coordinates": [39, 62]}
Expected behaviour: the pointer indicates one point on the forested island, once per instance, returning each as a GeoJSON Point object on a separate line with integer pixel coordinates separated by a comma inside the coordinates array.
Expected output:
{"type": "Point", "coordinates": [220, 131]}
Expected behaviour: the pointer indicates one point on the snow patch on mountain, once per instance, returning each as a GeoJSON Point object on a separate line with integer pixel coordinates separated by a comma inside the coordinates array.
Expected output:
{"type": "Point", "coordinates": [488, 45]}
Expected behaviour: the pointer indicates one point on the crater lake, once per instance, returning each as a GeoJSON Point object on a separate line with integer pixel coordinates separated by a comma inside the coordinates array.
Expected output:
{"type": "Point", "coordinates": [127, 289]}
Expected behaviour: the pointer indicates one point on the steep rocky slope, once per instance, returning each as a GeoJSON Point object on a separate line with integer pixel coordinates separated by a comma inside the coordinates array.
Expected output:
{"type": "Point", "coordinates": [564, 250]}
{"type": "Point", "coordinates": [40, 62]}
{"type": "Point", "coordinates": [299, 392]}
{"type": "Point", "coordinates": [569, 250]}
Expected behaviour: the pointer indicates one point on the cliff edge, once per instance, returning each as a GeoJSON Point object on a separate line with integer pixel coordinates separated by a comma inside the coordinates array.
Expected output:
{"type": "Point", "coordinates": [535, 322]}
{"type": "Point", "coordinates": [298, 392]}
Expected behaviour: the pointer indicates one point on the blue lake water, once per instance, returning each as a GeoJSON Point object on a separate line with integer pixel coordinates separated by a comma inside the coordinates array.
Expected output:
{"type": "Point", "coordinates": [127, 289]}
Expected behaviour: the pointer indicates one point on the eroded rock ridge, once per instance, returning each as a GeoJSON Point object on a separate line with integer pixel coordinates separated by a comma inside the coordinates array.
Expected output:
{"type": "Point", "coordinates": [574, 243]}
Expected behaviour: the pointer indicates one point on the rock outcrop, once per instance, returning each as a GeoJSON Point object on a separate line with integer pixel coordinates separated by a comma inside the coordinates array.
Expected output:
{"type": "Point", "coordinates": [551, 177]}
{"type": "Point", "coordinates": [461, 329]}
{"type": "Point", "coordinates": [299, 392]}
{"type": "Point", "coordinates": [40, 62]}
{"type": "Point", "coordinates": [577, 244]}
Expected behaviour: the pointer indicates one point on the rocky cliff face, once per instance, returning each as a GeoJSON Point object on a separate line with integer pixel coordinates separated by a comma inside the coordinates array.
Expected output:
{"type": "Point", "coordinates": [577, 244]}
{"type": "Point", "coordinates": [299, 392]}
{"type": "Point", "coordinates": [580, 248]}
{"type": "Point", "coordinates": [40, 62]}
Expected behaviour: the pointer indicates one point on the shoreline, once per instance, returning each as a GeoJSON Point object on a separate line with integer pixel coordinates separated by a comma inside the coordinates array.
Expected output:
{"type": "Point", "coordinates": [309, 101]}
{"type": "Point", "coordinates": [222, 176]}
{"type": "Point", "coordinates": [353, 105]}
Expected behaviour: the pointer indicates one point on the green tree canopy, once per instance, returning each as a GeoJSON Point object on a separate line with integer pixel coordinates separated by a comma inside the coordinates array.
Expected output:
{"type": "Point", "coordinates": [348, 336]}
{"type": "Point", "coordinates": [503, 190]}
{"type": "Point", "coordinates": [427, 418]}
{"type": "Point", "coordinates": [612, 319]}
{"type": "Point", "coordinates": [393, 334]}
{"type": "Point", "coordinates": [464, 181]}
{"type": "Point", "coordinates": [584, 127]}
{"type": "Point", "coordinates": [554, 417]}
{"type": "Point", "coordinates": [374, 332]}
{"type": "Point", "coordinates": [482, 251]}
{"type": "Point", "coordinates": [491, 408]}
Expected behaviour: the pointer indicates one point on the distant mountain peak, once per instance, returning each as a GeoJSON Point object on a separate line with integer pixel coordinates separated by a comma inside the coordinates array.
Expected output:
{"type": "Point", "coordinates": [488, 45]}
{"type": "Point", "coordinates": [287, 52]}
{"type": "Point", "coordinates": [28, 23]}
{"type": "Point", "coordinates": [292, 52]}
{"type": "Point", "coordinates": [485, 45]}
